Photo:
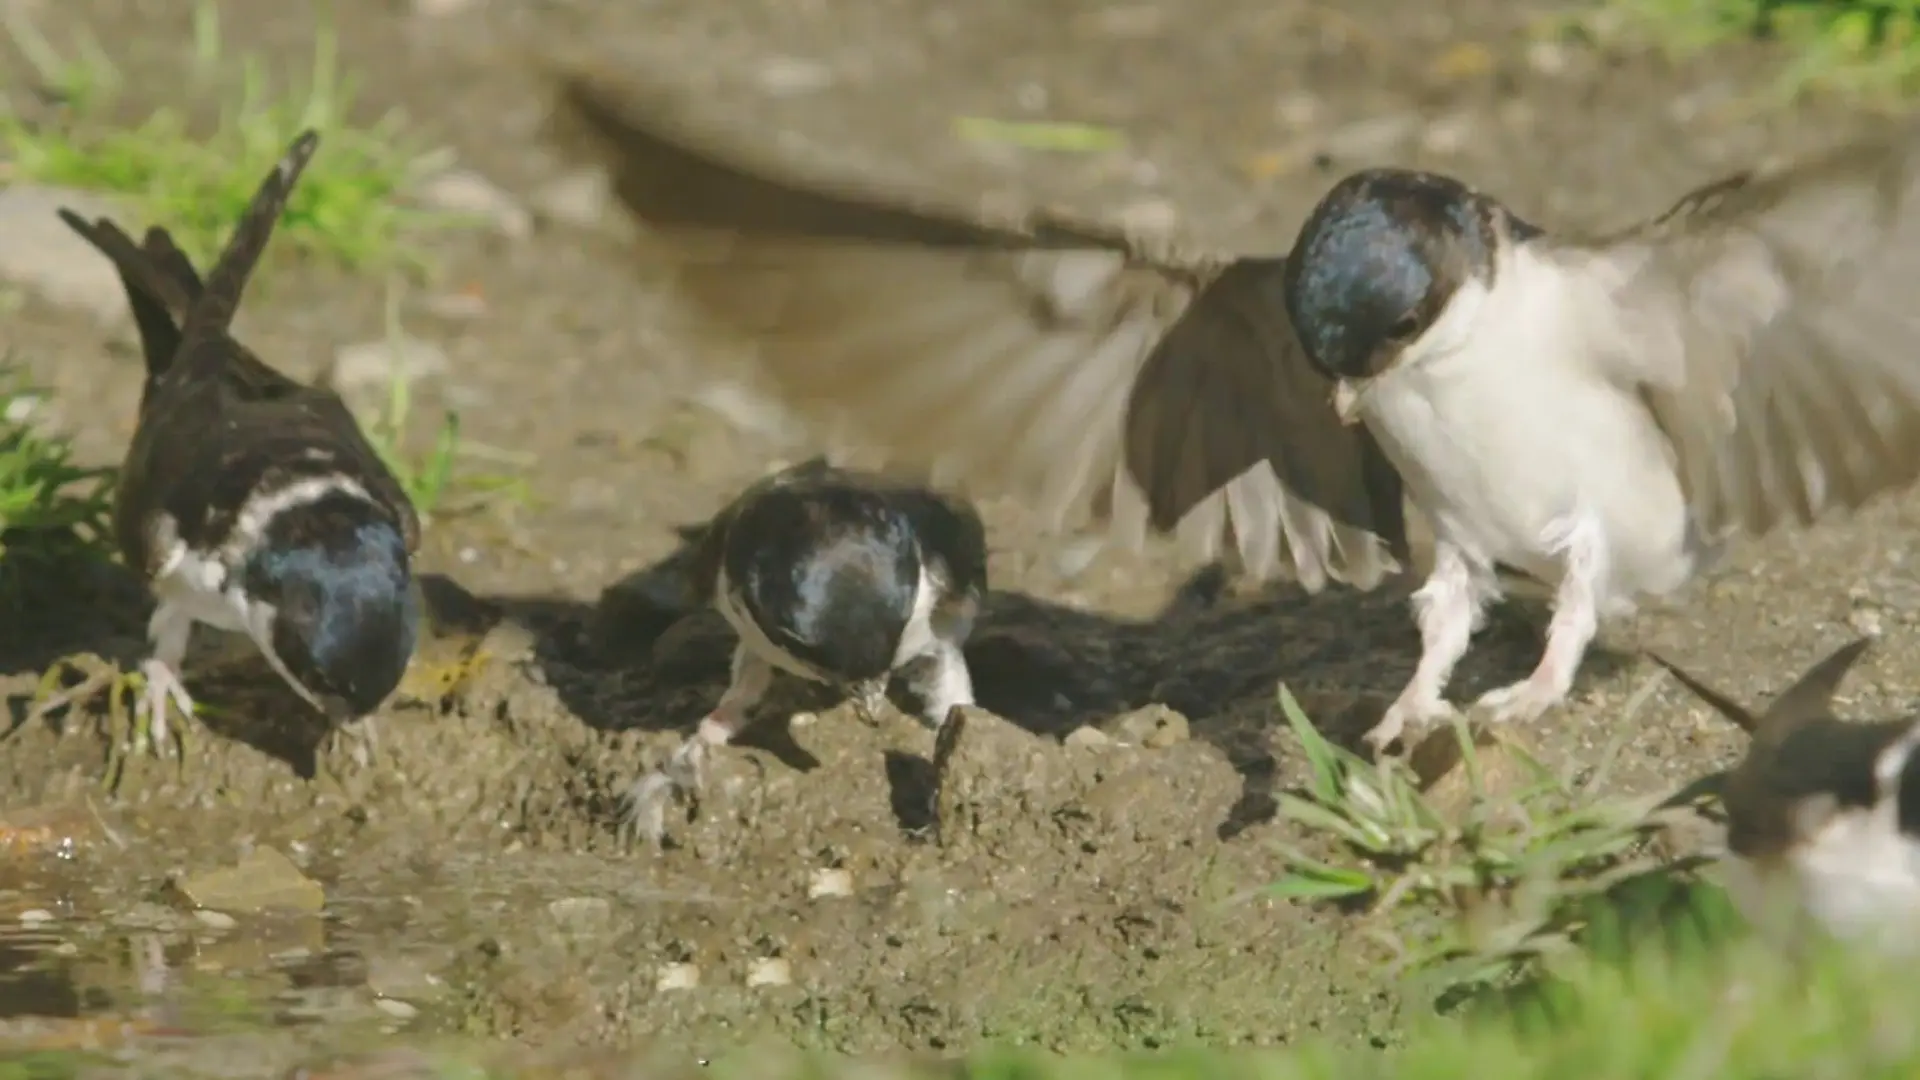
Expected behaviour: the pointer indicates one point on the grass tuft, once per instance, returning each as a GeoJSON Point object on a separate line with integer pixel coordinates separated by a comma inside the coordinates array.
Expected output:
{"type": "Point", "coordinates": [52, 511]}
{"type": "Point", "coordinates": [1479, 899]}
{"type": "Point", "coordinates": [1863, 49]}
{"type": "Point", "coordinates": [350, 206]}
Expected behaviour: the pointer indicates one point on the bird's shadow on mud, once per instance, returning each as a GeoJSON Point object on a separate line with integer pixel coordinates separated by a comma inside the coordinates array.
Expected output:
{"type": "Point", "coordinates": [647, 657]}
{"type": "Point", "coordinates": [57, 601]}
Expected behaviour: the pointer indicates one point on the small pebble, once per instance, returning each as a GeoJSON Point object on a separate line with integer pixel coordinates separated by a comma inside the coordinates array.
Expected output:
{"type": "Point", "coordinates": [677, 977]}
{"type": "Point", "coordinates": [263, 879]}
{"type": "Point", "coordinates": [829, 882]}
{"type": "Point", "coordinates": [468, 194]}
{"type": "Point", "coordinates": [148, 916]}
{"type": "Point", "coordinates": [371, 365]}
{"type": "Point", "coordinates": [402, 978]}
{"type": "Point", "coordinates": [581, 912]}
{"type": "Point", "coordinates": [769, 971]}
{"type": "Point", "coordinates": [1449, 134]}
{"type": "Point", "coordinates": [1085, 737]}
{"type": "Point", "coordinates": [399, 1010]}
{"type": "Point", "coordinates": [1155, 727]}
{"type": "Point", "coordinates": [36, 917]}
{"type": "Point", "coordinates": [216, 920]}
{"type": "Point", "coordinates": [580, 199]}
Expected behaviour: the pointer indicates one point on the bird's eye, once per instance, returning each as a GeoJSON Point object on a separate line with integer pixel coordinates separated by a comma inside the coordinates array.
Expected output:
{"type": "Point", "coordinates": [1405, 327]}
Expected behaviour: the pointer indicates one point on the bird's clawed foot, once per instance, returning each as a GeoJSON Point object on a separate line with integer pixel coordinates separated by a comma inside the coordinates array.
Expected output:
{"type": "Point", "coordinates": [1413, 713]}
{"type": "Point", "coordinates": [163, 689]}
{"type": "Point", "coordinates": [681, 776]}
{"type": "Point", "coordinates": [358, 742]}
{"type": "Point", "coordinates": [1522, 701]}
{"type": "Point", "coordinates": [869, 701]}
{"type": "Point", "coordinates": [154, 688]}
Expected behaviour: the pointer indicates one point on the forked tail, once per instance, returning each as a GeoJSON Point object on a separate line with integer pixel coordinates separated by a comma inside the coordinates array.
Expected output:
{"type": "Point", "coordinates": [211, 313]}
{"type": "Point", "coordinates": [155, 306]}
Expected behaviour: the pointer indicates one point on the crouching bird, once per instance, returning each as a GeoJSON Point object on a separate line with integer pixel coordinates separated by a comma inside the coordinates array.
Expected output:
{"type": "Point", "coordinates": [249, 501]}
{"type": "Point", "coordinates": [840, 577]}
{"type": "Point", "coordinates": [1602, 414]}
{"type": "Point", "coordinates": [1823, 814]}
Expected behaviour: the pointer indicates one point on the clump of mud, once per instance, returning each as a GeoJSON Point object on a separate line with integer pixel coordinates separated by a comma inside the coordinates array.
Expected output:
{"type": "Point", "coordinates": [1074, 873]}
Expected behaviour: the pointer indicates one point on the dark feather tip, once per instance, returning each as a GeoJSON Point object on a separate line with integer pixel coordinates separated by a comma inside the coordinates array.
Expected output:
{"type": "Point", "coordinates": [1722, 704]}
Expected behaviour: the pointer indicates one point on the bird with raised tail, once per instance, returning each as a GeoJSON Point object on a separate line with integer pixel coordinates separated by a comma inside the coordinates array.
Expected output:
{"type": "Point", "coordinates": [1601, 414]}
{"type": "Point", "coordinates": [1823, 814]}
{"type": "Point", "coordinates": [840, 577]}
{"type": "Point", "coordinates": [249, 501]}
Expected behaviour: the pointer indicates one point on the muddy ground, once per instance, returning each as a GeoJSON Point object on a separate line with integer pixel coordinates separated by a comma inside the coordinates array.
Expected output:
{"type": "Point", "coordinates": [1088, 896]}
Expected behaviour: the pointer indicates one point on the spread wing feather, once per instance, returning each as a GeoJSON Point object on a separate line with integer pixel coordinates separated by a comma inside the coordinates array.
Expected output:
{"type": "Point", "coordinates": [1085, 370]}
{"type": "Point", "coordinates": [1772, 323]}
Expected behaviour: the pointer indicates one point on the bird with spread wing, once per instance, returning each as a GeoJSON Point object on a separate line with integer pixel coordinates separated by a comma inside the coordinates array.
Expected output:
{"type": "Point", "coordinates": [1602, 413]}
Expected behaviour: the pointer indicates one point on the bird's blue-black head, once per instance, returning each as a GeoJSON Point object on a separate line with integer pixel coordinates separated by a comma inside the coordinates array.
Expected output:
{"type": "Point", "coordinates": [346, 616]}
{"type": "Point", "coordinates": [829, 571]}
{"type": "Point", "coordinates": [1832, 763]}
{"type": "Point", "coordinates": [1376, 262]}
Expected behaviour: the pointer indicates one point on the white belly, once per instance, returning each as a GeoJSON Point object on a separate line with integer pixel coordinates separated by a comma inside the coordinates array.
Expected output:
{"type": "Point", "coordinates": [1854, 880]}
{"type": "Point", "coordinates": [198, 586]}
{"type": "Point", "coordinates": [1498, 454]}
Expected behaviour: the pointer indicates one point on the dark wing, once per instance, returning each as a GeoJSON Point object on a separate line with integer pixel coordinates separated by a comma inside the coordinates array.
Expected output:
{"type": "Point", "coordinates": [949, 530]}
{"type": "Point", "coordinates": [202, 483]}
{"type": "Point", "coordinates": [1047, 358]}
{"type": "Point", "coordinates": [1770, 322]}
{"type": "Point", "coordinates": [707, 551]}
